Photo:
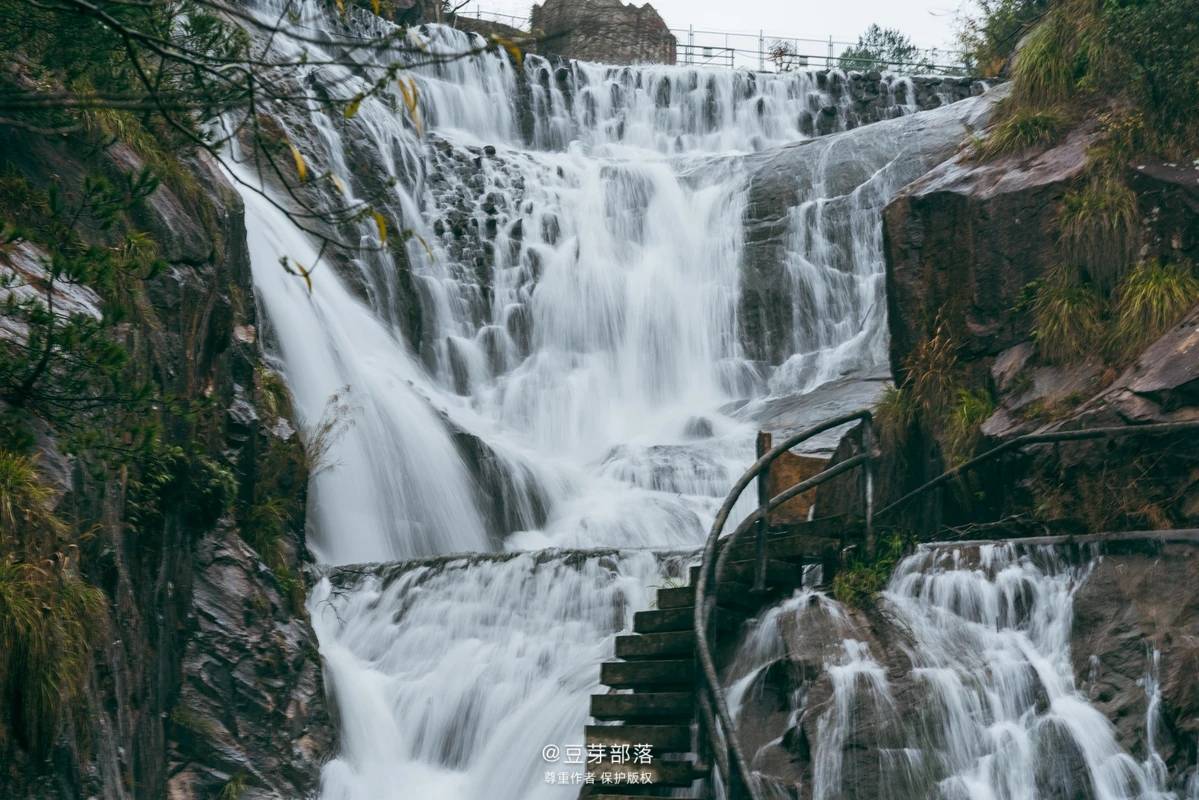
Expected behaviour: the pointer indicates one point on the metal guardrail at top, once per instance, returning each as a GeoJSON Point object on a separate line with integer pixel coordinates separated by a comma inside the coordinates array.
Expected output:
{"type": "Point", "coordinates": [716, 720]}
{"type": "Point", "coordinates": [758, 51]}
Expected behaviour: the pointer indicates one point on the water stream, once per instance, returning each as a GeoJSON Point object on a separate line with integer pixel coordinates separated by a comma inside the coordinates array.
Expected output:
{"type": "Point", "coordinates": [970, 693]}
{"type": "Point", "coordinates": [552, 360]}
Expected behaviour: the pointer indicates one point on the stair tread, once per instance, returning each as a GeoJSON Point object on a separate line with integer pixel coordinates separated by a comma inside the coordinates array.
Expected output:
{"type": "Point", "coordinates": [643, 707]}
{"type": "Point", "coordinates": [676, 597]}
{"type": "Point", "coordinates": [677, 619]}
{"type": "Point", "coordinates": [638, 646]}
{"type": "Point", "coordinates": [648, 673]}
{"type": "Point", "coordinates": [662, 738]}
{"type": "Point", "coordinates": [662, 773]}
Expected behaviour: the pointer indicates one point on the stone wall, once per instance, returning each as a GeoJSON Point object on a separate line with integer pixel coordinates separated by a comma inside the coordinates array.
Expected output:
{"type": "Point", "coordinates": [606, 31]}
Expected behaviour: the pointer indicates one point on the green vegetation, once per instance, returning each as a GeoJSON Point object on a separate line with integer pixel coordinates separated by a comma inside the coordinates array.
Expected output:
{"type": "Point", "coordinates": [1150, 301]}
{"type": "Point", "coordinates": [1098, 228]}
{"type": "Point", "coordinates": [963, 427]}
{"type": "Point", "coordinates": [934, 394]}
{"type": "Point", "coordinates": [1135, 55]}
{"type": "Point", "coordinates": [235, 787]}
{"type": "Point", "coordinates": [880, 48]}
{"type": "Point", "coordinates": [1021, 130]}
{"type": "Point", "coordinates": [1072, 318]}
{"type": "Point", "coordinates": [859, 582]}
{"type": "Point", "coordinates": [1067, 316]}
{"type": "Point", "coordinates": [50, 618]}
{"type": "Point", "coordinates": [989, 37]}
{"type": "Point", "coordinates": [894, 416]}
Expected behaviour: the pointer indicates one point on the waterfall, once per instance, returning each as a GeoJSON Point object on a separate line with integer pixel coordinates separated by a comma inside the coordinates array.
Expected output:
{"type": "Point", "coordinates": [978, 697]}
{"type": "Point", "coordinates": [553, 357]}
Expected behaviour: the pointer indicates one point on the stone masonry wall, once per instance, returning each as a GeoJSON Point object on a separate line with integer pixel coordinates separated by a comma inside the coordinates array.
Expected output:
{"type": "Point", "coordinates": [606, 31]}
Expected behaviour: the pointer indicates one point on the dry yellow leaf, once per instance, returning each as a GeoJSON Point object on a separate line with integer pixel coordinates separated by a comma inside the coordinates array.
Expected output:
{"type": "Point", "coordinates": [409, 91]}
{"type": "Point", "coordinates": [512, 47]}
{"type": "Point", "coordinates": [301, 167]}
{"type": "Point", "coordinates": [381, 224]}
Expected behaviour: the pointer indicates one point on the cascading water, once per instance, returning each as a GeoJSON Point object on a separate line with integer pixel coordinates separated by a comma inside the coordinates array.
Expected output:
{"type": "Point", "coordinates": [982, 702]}
{"type": "Point", "coordinates": [565, 311]}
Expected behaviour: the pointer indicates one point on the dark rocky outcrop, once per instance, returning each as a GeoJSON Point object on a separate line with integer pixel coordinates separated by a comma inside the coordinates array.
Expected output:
{"type": "Point", "coordinates": [1130, 607]}
{"type": "Point", "coordinates": [963, 241]}
{"type": "Point", "coordinates": [209, 674]}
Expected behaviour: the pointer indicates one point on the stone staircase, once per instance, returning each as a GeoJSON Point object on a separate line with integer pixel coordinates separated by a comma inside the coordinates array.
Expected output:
{"type": "Point", "coordinates": [653, 681]}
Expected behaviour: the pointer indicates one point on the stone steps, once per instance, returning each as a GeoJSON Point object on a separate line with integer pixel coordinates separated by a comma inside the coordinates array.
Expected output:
{"type": "Point", "coordinates": [657, 707]}
{"type": "Point", "coordinates": [648, 675]}
{"type": "Point", "coordinates": [662, 738]}
{"type": "Point", "coordinates": [658, 667]}
{"type": "Point", "coordinates": [655, 645]}
{"type": "Point", "coordinates": [658, 772]}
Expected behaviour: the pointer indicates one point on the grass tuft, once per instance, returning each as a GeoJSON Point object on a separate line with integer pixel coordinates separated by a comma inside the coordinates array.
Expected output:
{"type": "Point", "coordinates": [26, 502]}
{"type": "Point", "coordinates": [1151, 300]}
{"type": "Point", "coordinates": [930, 373]}
{"type": "Point", "coordinates": [860, 582]}
{"type": "Point", "coordinates": [895, 414]}
{"type": "Point", "coordinates": [1066, 316]}
{"type": "Point", "coordinates": [1098, 229]}
{"type": "Point", "coordinates": [50, 619]}
{"type": "Point", "coordinates": [1020, 130]}
{"type": "Point", "coordinates": [963, 428]}
{"type": "Point", "coordinates": [1044, 70]}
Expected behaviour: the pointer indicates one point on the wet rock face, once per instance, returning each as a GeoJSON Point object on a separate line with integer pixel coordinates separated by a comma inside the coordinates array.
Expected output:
{"type": "Point", "coordinates": [210, 671]}
{"type": "Point", "coordinates": [962, 242]}
{"type": "Point", "coordinates": [813, 728]}
{"type": "Point", "coordinates": [847, 172]}
{"type": "Point", "coordinates": [1131, 610]}
{"type": "Point", "coordinates": [252, 699]}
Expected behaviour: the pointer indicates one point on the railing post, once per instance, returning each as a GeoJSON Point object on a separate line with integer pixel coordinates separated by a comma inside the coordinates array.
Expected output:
{"type": "Point", "coordinates": [868, 447]}
{"type": "Point", "coordinates": [763, 447]}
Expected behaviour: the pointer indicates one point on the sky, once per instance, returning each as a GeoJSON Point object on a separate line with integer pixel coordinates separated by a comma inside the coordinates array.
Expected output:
{"type": "Point", "coordinates": [929, 23]}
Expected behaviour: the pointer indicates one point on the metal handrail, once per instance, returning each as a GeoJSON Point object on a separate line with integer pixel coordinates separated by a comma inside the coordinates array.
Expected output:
{"type": "Point", "coordinates": [1039, 438]}
{"type": "Point", "coordinates": [734, 768]}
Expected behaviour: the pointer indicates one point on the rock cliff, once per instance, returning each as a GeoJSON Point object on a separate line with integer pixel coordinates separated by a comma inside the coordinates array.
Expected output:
{"type": "Point", "coordinates": [208, 676]}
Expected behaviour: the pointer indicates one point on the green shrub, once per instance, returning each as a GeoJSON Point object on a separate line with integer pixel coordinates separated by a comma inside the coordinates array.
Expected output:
{"type": "Point", "coordinates": [1158, 42]}
{"type": "Point", "coordinates": [50, 619]}
{"type": "Point", "coordinates": [1098, 229]}
{"type": "Point", "coordinates": [1044, 71]}
{"type": "Point", "coordinates": [929, 373]}
{"type": "Point", "coordinates": [1150, 301]}
{"type": "Point", "coordinates": [963, 428]}
{"type": "Point", "coordinates": [858, 583]}
{"type": "Point", "coordinates": [1021, 129]}
{"type": "Point", "coordinates": [894, 416]}
{"type": "Point", "coordinates": [988, 38]}
{"type": "Point", "coordinates": [1067, 316]}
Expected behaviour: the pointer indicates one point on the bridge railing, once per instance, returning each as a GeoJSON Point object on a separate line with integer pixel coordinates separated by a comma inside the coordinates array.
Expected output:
{"type": "Point", "coordinates": [716, 722]}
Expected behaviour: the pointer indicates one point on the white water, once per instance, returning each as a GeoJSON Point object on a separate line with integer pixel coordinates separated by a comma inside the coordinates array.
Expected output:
{"type": "Point", "coordinates": [578, 301]}
{"type": "Point", "coordinates": [996, 714]}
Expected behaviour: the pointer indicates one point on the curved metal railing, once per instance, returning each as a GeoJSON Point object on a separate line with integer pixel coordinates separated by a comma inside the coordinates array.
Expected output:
{"type": "Point", "coordinates": [727, 754]}
{"type": "Point", "coordinates": [729, 759]}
